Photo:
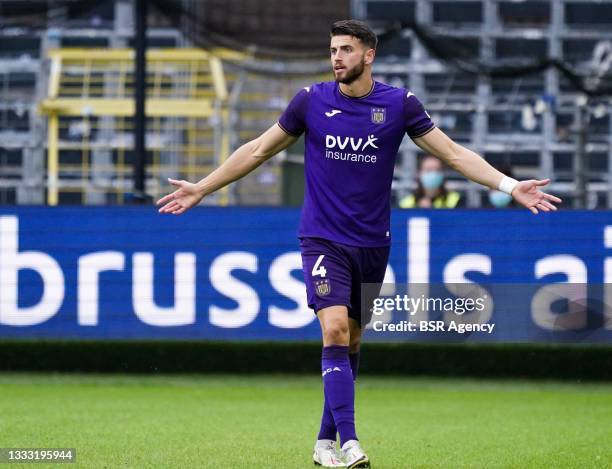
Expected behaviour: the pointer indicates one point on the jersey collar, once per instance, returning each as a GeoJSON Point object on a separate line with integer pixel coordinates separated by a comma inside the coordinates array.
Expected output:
{"type": "Point", "coordinates": [358, 97]}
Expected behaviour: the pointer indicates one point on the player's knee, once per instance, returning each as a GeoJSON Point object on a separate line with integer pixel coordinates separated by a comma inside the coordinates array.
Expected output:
{"type": "Point", "coordinates": [336, 333]}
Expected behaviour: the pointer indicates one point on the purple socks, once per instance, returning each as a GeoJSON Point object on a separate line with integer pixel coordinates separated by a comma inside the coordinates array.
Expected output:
{"type": "Point", "coordinates": [328, 427]}
{"type": "Point", "coordinates": [339, 369]}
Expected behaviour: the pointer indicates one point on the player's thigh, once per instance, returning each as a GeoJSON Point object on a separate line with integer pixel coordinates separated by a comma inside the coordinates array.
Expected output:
{"type": "Point", "coordinates": [327, 274]}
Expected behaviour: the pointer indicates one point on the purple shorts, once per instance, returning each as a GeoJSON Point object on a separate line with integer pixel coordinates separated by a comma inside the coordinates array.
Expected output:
{"type": "Point", "coordinates": [334, 272]}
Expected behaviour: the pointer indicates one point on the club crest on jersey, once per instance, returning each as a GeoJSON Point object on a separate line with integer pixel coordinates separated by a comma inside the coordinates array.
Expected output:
{"type": "Point", "coordinates": [378, 115]}
{"type": "Point", "coordinates": [323, 287]}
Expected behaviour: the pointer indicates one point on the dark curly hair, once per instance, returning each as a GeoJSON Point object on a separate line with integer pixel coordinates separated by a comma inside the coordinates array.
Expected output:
{"type": "Point", "coordinates": [357, 29]}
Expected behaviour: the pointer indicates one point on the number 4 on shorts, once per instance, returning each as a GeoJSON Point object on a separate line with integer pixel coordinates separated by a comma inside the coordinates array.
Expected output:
{"type": "Point", "coordinates": [318, 269]}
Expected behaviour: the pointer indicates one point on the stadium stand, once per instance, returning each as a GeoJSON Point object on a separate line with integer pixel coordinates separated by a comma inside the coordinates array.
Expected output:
{"type": "Point", "coordinates": [90, 108]}
{"type": "Point", "coordinates": [530, 122]}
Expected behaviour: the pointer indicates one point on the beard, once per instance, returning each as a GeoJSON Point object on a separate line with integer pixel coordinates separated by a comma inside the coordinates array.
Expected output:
{"type": "Point", "coordinates": [352, 74]}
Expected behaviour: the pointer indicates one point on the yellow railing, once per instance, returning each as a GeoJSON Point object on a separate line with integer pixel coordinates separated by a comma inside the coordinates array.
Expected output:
{"type": "Point", "coordinates": [90, 101]}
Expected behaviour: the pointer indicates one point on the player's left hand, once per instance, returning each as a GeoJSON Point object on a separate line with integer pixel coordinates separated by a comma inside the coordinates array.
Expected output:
{"type": "Point", "coordinates": [527, 193]}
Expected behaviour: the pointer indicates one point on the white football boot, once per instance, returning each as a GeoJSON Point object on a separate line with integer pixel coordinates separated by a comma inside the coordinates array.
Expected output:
{"type": "Point", "coordinates": [353, 455]}
{"type": "Point", "coordinates": [326, 455]}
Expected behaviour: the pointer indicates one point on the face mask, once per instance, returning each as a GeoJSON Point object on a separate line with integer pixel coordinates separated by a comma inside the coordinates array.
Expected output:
{"type": "Point", "coordinates": [432, 179]}
{"type": "Point", "coordinates": [499, 199]}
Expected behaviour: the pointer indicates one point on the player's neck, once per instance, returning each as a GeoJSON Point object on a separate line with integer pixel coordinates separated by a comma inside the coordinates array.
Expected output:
{"type": "Point", "coordinates": [360, 87]}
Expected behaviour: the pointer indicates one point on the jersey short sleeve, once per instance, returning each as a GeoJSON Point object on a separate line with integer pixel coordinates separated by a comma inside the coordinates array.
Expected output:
{"type": "Point", "coordinates": [293, 120]}
{"type": "Point", "coordinates": [418, 122]}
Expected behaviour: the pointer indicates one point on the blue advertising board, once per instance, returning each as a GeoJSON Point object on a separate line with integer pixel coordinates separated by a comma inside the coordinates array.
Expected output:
{"type": "Point", "coordinates": [236, 274]}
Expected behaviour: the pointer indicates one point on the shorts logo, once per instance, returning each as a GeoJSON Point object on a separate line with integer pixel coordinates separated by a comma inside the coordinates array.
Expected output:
{"type": "Point", "coordinates": [323, 287]}
{"type": "Point", "coordinates": [378, 115]}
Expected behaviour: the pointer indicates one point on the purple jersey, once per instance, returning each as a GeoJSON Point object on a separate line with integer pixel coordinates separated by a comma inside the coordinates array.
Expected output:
{"type": "Point", "coordinates": [351, 145]}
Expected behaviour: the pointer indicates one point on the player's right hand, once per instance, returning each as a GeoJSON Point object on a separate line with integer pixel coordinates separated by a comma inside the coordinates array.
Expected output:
{"type": "Point", "coordinates": [182, 199]}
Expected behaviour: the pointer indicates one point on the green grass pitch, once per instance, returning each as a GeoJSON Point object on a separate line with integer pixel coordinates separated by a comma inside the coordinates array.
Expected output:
{"type": "Point", "coordinates": [271, 421]}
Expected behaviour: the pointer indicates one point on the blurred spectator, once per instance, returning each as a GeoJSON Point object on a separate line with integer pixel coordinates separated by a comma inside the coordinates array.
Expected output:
{"type": "Point", "coordinates": [498, 199]}
{"type": "Point", "coordinates": [431, 191]}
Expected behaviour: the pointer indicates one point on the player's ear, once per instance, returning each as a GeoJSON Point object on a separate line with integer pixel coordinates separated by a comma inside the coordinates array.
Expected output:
{"type": "Point", "coordinates": [369, 56]}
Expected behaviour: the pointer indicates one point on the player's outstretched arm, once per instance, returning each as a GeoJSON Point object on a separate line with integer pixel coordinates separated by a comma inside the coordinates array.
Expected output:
{"type": "Point", "coordinates": [472, 166]}
{"type": "Point", "coordinates": [244, 160]}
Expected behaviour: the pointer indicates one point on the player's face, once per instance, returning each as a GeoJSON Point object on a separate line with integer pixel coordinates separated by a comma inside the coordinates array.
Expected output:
{"type": "Point", "coordinates": [348, 58]}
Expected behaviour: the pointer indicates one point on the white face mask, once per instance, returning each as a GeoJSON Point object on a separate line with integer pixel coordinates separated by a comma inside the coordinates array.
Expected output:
{"type": "Point", "coordinates": [432, 179]}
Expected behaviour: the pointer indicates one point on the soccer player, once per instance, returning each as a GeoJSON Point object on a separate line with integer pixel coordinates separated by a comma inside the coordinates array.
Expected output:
{"type": "Point", "coordinates": [353, 128]}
